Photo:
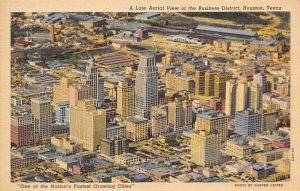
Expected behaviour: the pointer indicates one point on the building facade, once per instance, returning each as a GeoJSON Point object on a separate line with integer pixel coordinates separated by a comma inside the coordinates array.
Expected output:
{"type": "Point", "coordinates": [247, 123]}
{"type": "Point", "coordinates": [22, 130]}
{"type": "Point", "coordinates": [87, 125]}
{"type": "Point", "coordinates": [79, 92]}
{"type": "Point", "coordinates": [114, 146]}
{"type": "Point", "coordinates": [41, 111]}
{"type": "Point", "coordinates": [180, 115]}
{"type": "Point", "coordinates": [125, 98]}
{"type": "Point", "coordinates": [205, 148]}
{"type": "Point", "coordinates": [136, 128]}
{"type": "Point", "coordinates": [96, 81]}
{"type": "Point", "coordinates": [159, 124]}
{"type": "Point", "coordinates": [146, 94]}
{"type": "Point", "coordinates": [62, 113]}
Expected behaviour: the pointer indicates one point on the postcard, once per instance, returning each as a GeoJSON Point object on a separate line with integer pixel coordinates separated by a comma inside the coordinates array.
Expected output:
{"type": "Point", "coordinates": [162, 95]}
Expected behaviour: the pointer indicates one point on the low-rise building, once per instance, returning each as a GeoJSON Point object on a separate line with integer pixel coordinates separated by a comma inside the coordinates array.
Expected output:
{"type": "Point", "coordinates": [22, 158]}
{"type": "Point", "coordinates": [66, 146]}
{"type": "Point", "coordinates": [127, 159]}
{"type": "Point", "coordinates": [273, 155]}
{"type": "Point", "coordinates": [259, 171]}
{"type": "Point", "coordinates": [67, 162]}
{"type": "Point", "coordinates": [261, 144]}
{"type": "Point", "coordinates": [238, 148]}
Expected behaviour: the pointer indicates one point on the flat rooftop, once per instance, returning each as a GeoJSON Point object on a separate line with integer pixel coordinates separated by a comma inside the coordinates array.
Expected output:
{"type": "Point", "coordinates": [114, 59]}
{"type": "Point", "coordinates": [226, 30]}
{"type": "Point", "coordinates": [135, 119]}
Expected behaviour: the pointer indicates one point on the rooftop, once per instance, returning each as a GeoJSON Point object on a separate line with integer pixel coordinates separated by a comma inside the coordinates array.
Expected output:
{"type": "Point", "coordinates": [135, 119]}
{"type": "Point", "coordinates": [211, 114]}
{"type": "Point", "coordinates": [127, 156]}
{"type": "Point", "coordinates": [264, 42]}
{"type": "Point", "coordinates": [69, 159]}
{"type": "Point", "coordinates": [226, 30]}
{"type": "Point", "coordinates": [147, 15]}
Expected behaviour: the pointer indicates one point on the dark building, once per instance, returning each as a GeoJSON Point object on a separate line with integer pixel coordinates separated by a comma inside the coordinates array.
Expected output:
{"type": "Point", "coordinates": [114, 146]}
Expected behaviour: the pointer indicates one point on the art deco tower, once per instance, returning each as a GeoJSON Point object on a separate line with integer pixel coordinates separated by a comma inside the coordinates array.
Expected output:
{"type": "Point", "coordinates": [146, 85]}
{"type": "Point", "coordinates": [96, 81]}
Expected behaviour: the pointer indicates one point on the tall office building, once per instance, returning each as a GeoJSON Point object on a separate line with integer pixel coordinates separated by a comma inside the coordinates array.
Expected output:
{"type": "Point", "coordinates": [261, 80]}
{"type": "Point", "coordinates": [241, 95]}
{"type": "Point", "coordinates": [213, 121]}
{"type": "Point", "coordinates": [136, 128]}
{"type": "Point", "coordinates": [96, 81]}
{"type": "Point", "coordinates": [254, 97]}
{"type": "Point", "coordinates": [180, 115]}
{"type": "Point", "coordinates": [200, 82]}
{"type": "Point", "coordinates": [168, 58]}
{"type": "Point", "coordinates": [87, 125]}
{"type": "Point", "coordinates": [247, 122]}
{"type": "Point", "coordinates": [61, 90]}
{"type": "Point", "coordinates": [22, 130]}
{"type": "Point", "coordinates": [205, 148]}
{"type": "Point", "coordinates": [159, 124]}
{"type": "Point", "coordinates": [269, 121]}
{"type": "Point", "coordinates": [125, 98]}
{"type": "Point", "coordinates": [41, 111]}
{"type": "Point", "coordinates": [146, 94]}
{"type": "Point", "coordinates": [230, 101]}
{"type": "Point", "coordinates": [79, 92]}
{"type": "Point", "coordinates": [209, 83]}
{"type": "Point", "coordinates": [220, 84]}
{"type": "Point", "coordinates": [62, 113]}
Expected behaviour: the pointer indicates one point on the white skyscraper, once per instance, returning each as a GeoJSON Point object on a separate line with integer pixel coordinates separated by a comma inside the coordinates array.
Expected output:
{"type": "Point", "coordinates": [96, 81]}
{"type": "Point", "coordinates": [146, 85]}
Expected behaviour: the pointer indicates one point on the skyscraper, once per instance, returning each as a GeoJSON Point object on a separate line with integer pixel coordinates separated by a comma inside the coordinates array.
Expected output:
{"type": "Point", "coordinates": [22, 130]}
{"type": "Point", "coordinates": [159, 124]}
{"type": "Point", "coordinates": [220, 84]}
{"type": "Point", "coordinates": [247, 122]}
{"type": "Point", "coordinates": [87, 125]}
{"type": "Point", "coordinates": [254, 97]}
{"type": "Point", "coordinates": [180, 115]}
{"type": "Point", "coordinates": [41, 111]}
{"type": "Point", "coordinates": [79, 92]}
{"type": "Point", "coordinates": [62, 113]}
{"type": "Point", "coordinates": [241, 95]}
{"type": "Point", "coordinates": [146, 95]}
{"type": "Point", "coordinates": [209, 83]}
{"type": "Point", "coordinates": [96, 81]}
{"type": "Point", "coordinates": [261, 80]}
{"type": "Point", "coordinates": [205, 148]}
{"type": "Point", "coordinates": [125, 98]}
{"type": "Point", "coordinates": [136, 128]}
{"type": "Point", "coordinates": [213, 121]}
{"type": "Point", "coordinates": [61, 90]}
{"type": "Point", "coordinates": [200, 82]}
{"type": "Point", "coordinates": [230, 101]}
